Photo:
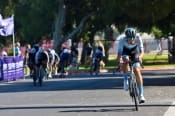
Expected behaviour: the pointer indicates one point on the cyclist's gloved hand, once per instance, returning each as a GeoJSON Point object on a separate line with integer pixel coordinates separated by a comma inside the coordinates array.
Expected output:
{"type": "Point", "coordinates": [140, 59]}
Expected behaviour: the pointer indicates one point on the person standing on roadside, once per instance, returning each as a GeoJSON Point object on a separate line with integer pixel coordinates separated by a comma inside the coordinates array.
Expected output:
{"type": "Point", "coordinates": [17, 49]}
{"type": "Point", "coordinates": [26, 59]}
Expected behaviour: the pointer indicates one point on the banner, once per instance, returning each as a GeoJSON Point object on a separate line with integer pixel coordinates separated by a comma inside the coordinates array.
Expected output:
{"type": "Point", "coordinates": [6, 26]}
{"type": "Point", "coordinates": [11, 68]}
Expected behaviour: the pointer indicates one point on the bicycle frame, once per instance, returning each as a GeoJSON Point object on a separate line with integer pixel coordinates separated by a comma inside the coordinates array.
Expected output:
{"type": "Point", "coordinates": [133, 91]}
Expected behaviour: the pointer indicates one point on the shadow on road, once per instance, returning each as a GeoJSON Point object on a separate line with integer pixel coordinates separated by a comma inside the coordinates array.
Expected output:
{"type": "Point", "coordinates": [87, 108]}
{"type": "Point", "coordinates": [168, 81]}
{"type": "Point", "coordinates": [106, 81]}
{"type": "Point", "coordinates": [64, 84]}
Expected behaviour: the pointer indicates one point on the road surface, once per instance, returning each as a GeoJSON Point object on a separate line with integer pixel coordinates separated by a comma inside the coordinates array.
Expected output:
{"type": "Point", "coordinates": [85, 95]}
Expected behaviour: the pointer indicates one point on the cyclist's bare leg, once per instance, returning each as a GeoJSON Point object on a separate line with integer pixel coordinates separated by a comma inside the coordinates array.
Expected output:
{"type": "Point", "coordinates": [138, 75]}
{"type": "Point", "coordinates": [124, 64]}
{"type": "Point", "coordinates": [139, 79]}
{"type": "Point", "coordinates": [50, 71]}
{"type": "Point", "coordinates": [124, 68]}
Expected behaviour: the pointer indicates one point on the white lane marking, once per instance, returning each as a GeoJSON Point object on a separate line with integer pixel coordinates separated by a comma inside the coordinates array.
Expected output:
{"type": "Point", "coordinates": [171, 110]}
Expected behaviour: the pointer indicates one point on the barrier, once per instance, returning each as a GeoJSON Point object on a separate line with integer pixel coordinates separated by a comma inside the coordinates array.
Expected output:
{"type": "Point", "coordinates": [11, 68]}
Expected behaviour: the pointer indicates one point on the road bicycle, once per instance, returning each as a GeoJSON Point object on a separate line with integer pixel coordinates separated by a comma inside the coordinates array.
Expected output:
{"type": "Point", "coordinates": [40, 75]}
{"type": "Point", "coordinates": [63, 68]}
{"type": "Point", "coordinates": [133, 89]}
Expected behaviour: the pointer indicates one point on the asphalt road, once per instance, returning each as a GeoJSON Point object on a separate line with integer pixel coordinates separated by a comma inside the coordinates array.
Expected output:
{"type": "Point", "coordinates": [85, 95]}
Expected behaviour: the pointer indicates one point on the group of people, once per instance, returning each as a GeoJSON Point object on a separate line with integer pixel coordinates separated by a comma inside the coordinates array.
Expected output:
{"type": "Point", "coordinates": [52, 62]}
{"type": "Point", "coordinates": [4, 51]}
{"type": "Point", "coordinates": [38, 57]}
{"type": "Point", "coordinates": [130, 48]}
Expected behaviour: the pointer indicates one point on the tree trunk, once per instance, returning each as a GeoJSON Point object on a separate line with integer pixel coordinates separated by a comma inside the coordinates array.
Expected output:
{"type": "Point", "coordinates": [108, 36]}
{"type": "Point", "coordinates": [83, 55]}
{"type": "Point", "coordinates": [57, 34]}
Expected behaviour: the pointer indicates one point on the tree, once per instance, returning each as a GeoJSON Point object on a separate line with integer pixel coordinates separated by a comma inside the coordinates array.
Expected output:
{"type": "Point", "coordinates": [76, 26]}
{"type": "Point", "coordinates": [59, 23]}
{"type": "Point", "coordinates": [34, 19]}
{"type": "Point", "coordinates": [75, 18]}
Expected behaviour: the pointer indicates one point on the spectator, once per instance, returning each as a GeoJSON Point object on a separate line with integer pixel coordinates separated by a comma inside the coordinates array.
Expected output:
{"type": "Point", "coordinates": [26, 59]}
{"type": "Point", "coordinates": [4, 53]}
{"type": "Point", "coordinates": [17, 49]}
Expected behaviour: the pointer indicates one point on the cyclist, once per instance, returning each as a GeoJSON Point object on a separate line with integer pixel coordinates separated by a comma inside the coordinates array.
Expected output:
{"type": "Point", "coordinates": [41, 58]}
{"type": "Point", "coordinates": [65, 57]}
{"type": "Point", "coordinates": [131, 48]}
{"type": "Point", "coordinates": [97, 57]}
{"type": "Point", "coordinates": [31, 62]}
{"type": "Point", "coordinates": [56, 63]}
{"type": "Point", "coordinates": [51, 53]}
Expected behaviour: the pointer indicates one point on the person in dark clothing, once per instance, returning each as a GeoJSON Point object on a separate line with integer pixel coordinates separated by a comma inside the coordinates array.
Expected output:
{"type": "Point", "coordinates": [65, 57]}
{"type": "Point", "coordinates": [88, 53]}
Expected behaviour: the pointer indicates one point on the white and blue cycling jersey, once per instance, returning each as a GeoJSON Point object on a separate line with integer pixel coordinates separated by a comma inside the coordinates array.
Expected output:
{"type": "Point", "coordinates": [132, 50]}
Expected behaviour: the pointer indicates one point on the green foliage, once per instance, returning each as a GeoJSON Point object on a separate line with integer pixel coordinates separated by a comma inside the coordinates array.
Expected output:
{"type": "Point", "coordinates": [147, 60]}
{"type": "Point", "coordinates": [157, 32]}
{"type": "Point", "coordinates": [36, 18]}
{"type": "Point", "coordinates": [155, 57]}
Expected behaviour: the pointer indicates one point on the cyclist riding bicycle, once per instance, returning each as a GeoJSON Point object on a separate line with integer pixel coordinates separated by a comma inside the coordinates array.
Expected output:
{"type": "Point", "coordinates": [41, 59]}
{"type": "Point", "coordinates": [130, 48]}
{"type": "Point", "coordinates": [97, 57]}
{"type": "Point", "coordinates": [65, 57]}
{"type": "Point", "coordinates": [32, 54]}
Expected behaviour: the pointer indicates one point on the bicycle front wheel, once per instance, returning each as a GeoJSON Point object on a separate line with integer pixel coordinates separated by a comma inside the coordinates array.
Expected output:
{"type": "Point", "coordinates": [135, 95]}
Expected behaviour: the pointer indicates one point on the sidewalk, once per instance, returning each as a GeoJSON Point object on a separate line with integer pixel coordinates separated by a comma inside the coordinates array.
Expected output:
{"type": "Point", "coordinates": [149, 68]}
{"type": "Point", "coordinates": [159, 68]}
{"type": "Point", "coordinates": [146, 68]}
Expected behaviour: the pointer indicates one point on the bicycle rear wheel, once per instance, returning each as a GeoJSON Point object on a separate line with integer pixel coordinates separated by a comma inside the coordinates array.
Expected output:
{"type": "Point", "coordinates": [41, 75]}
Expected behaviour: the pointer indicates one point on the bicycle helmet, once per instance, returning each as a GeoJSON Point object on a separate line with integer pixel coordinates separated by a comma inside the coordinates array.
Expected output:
{"type": "Point", "coordinates": [130, 33]}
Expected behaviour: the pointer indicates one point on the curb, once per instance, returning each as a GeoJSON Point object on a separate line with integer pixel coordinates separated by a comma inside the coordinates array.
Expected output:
{"type": "Point", "coordinates": [158, 68]}
{"type": "Point", "coordinates": [112, 70]}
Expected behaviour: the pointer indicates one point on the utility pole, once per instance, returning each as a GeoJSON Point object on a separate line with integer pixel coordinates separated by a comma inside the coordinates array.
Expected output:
{"type": "Point", "coordinates": [171, 48]}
